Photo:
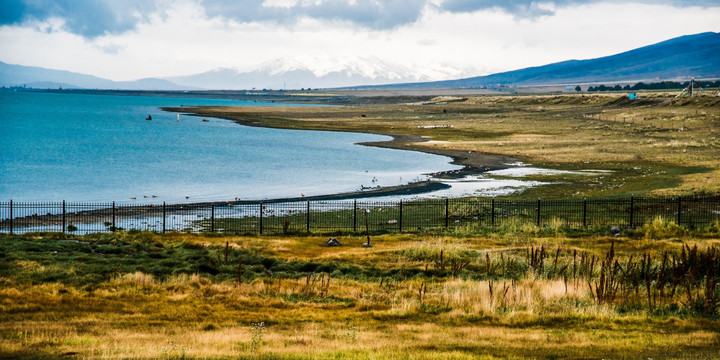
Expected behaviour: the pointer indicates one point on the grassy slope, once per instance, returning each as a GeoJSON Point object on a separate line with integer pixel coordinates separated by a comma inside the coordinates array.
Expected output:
{"type": "Point", "coordinates": [176, 296]}
{"type": "Point", "coordinates": [656, 145]}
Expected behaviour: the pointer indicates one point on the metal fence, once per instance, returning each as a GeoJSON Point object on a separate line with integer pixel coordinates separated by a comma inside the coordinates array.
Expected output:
{"type": "Point", "coordinates": [353, 215]}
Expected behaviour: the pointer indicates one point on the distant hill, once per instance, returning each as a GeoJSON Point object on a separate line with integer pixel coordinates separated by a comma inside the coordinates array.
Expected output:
{"type": "Point", "coordinates": [691, 55]}
{"type": "Point", "coordinates": [41, 78]}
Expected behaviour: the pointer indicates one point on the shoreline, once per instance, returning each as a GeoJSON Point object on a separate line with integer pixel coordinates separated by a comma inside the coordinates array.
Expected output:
{"type": "Point", "coordinates": [148, 210]}
{"type": "Point", "coordinates": [472, 163]}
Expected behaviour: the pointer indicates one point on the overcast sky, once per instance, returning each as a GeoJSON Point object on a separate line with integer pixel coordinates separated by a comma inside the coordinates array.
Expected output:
{"type": "Point", "coordinates": [132, 39]}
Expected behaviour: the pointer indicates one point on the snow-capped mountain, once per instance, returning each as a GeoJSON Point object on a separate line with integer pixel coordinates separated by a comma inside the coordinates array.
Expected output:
{"type": "Point", "coordinates": [319, 72]}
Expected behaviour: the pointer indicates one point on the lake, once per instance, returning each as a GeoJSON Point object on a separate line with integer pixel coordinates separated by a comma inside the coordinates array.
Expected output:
{"type": "Point", "coordinates": [100, 148]}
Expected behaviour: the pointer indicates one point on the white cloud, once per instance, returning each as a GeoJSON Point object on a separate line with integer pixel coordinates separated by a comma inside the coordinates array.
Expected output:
{"type": "Point", "coordinates": [185, 39]}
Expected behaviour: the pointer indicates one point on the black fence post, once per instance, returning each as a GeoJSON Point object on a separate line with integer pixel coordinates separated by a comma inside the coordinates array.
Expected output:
{"type": "Point", "coordinates": [679, 208]}
{"type": "Point", "coordinates": [355, 215]}
{"type": "Point", "coordinates": [492, 212]}
{"type": "Point", "coordinates": [164, 212]}
{"type": "Point", "coordinates": [400, 220]}
{"type": "Point", "coordinates": [447, 212]}
{"type": "Point", "coordinates": [632, 206]}
{"type": "Point", "coordinates": [113, 217]}
{"type": "Point", "coordinates": [11, 216]}
{"type": "Point", "coordinates": [212, 217]}
{"type": "Point", "coordinates": [538, 212]}
{"type": "Point", "coordinates": [63, 217]}
{"type": "Point", "coordinates": [308, 216]}
{"type": "Point", "coordinates": [261, 218]}
{"type": "Point", "coordinates": [585, 212]}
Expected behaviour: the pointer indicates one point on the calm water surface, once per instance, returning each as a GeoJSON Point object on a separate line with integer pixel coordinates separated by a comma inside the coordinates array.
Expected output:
{"type": "Point", "coordinates": [100, 148]}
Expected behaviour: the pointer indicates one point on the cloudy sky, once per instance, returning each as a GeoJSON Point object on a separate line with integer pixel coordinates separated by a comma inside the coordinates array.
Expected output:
{"type": "Point", "coordinates": [132, 39]}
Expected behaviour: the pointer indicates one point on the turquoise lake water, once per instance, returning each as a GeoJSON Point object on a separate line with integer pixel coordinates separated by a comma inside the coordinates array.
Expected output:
{"type": "Point", "coordinates": [97, 148]}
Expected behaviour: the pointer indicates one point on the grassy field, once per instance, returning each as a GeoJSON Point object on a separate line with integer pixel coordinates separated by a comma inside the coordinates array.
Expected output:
{"type": "Point", "coordinates": [512, 291]}
{"type": "Point", "coordinates": [658, 144]}
{"type": "Point", "coordinates": [518, 292]}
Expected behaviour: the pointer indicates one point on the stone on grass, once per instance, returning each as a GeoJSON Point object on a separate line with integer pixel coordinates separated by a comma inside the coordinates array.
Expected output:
{"type": "Point", "coordinates": [333, 242]}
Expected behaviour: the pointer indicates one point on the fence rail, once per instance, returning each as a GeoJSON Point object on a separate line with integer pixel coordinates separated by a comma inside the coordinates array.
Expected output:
{"type": "Point", "coordinates": [353, 215]}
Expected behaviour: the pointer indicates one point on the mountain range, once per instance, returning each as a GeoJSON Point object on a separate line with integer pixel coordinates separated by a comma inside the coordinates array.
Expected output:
{"type": "Point", "coordinates": [285, 73]}
{"type": "Point", "coordinates": [692, 55]}
{"type": "Point", "coordinates": [678, 58]}
{"type": "Point", "coordinates": [41, 78]}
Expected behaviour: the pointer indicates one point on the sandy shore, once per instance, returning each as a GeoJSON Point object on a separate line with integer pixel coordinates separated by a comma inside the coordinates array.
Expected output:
{"type": "Point", "coordinates": [472, 162]}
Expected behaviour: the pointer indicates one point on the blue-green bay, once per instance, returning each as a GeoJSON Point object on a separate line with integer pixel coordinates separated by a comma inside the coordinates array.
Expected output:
{"type": "Point", "coordinates": [81, 147]}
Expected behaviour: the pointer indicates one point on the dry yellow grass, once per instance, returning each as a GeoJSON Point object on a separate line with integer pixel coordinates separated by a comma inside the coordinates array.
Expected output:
{"type": "Point", "coordinates": [190, 315]}
{"type": "Point", "coordinates": [538, 319]}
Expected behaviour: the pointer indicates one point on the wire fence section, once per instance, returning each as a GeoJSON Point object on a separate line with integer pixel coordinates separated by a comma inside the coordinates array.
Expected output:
{"type": "Point", "coordinates": [353, 215]}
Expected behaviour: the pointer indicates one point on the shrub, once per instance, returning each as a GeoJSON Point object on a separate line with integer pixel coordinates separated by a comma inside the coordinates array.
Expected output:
{"type": "Point", "coordinates": [659, 228]}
